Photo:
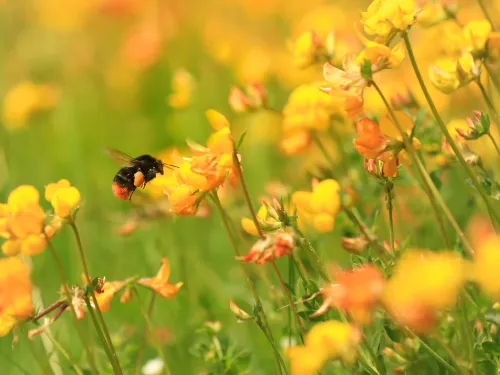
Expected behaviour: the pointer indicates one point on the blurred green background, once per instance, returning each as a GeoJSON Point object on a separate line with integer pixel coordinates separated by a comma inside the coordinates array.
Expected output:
{"type": "Point", "coordinates": [110, 66]}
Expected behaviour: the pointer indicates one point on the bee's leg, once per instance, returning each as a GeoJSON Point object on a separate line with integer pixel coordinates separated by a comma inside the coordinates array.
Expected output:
{"type": "Point", "coordinates": [130, 196]}
{"type": "Point", "coordinates": [149, 175]}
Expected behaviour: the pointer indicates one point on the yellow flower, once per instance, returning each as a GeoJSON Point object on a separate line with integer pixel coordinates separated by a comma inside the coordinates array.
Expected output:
{"type": "Point", "coordinates": [63, 197]}
{"type": "Point", "coordinates": [249, 225]}
{"type": "Point", "coordinates": [435, 12]}
{"type": "Point", "coordinates": [383, 16]}
{"type": "Point", "coordinates": [475, 35]}
{"type": "Point", "coordinates": [380, 56]}
{"type": "Point", "coordinates": [22, 222]}
{"type": "Point", "coordinates": [485, 266]}
{"type": "Point", "coordinates": [183, 85]}
{"type": "Point", "coordinates": [320, 206]}
{"type": "Point", "coordinates": [308, 108]}
{"type": "Point", "coordinates": [25, 99]}
{"type": "Point", "coordinates": [160, 283]}
{"type": "Point", "coordinates": [309, 49]}
{"type": "Point", "coordinates": [15, 293]}
{"type": "Point", "coordinates": [449, 74]}
{"type": "Point", "coordinates": [326, 340]}
{"type": "Point", "coordinates": [413, 300]}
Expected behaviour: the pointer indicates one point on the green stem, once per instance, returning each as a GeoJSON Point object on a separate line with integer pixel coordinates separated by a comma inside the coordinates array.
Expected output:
{"type": "Point", "coordinates": [144, 333]}
{"type": "Point", "coordinates": [443, 128]}
{"type": "Point", "coordinates": [421, 171]}
{"type": "Point", "coordinates": [467, 335]}
{"type": "Point", "coordinates": [315, 259]}
{"type": "Point", "coordinates": [149, 324]}
{"type": "Point", "coordinates": [369, 236]}
{"type": "Point", "coordinates": [290, 301]}
{"type": "Point", "coordinates": [379, 363]}
{"type": "Point", "coordinates": [494, 142]}
{"type": "Point", "coordinates": [237, 165]}
{"type": "Point", "coordinates": [64, 353]}
{"type": "Point", "coordinates": [432, 352]}
{"type": "Point", "coordinates": [325, 153]}
{"type": "Point", "coordinates": [389, 188]}
{"type": "Point", "coordinates": [262, 316]}
{"type": "Point", "coordinates": [486, 14]}
{"type": "Point", "coordinates": [280, 363]}
{"type": "Point", "coordinates": [338, 141]}
{"type": "Point", "coordinates": [430, 189]}
{"type": "Point", "coordinates": [107, 338]}
{"type": "Point", "coordinates": [492, 76]}
{"type": "Point", "coordinates": [489, 104]}
{"type": "Point", "coordinates": [67, 294]}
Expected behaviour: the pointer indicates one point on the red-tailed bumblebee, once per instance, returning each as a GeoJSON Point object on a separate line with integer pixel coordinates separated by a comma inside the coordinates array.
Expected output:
{"type": "Point", "coordinates": [135, 172]}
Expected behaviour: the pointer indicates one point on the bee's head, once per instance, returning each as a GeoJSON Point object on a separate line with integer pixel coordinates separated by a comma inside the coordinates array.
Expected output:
{"type": "Point", "coordinates": [159, 166]}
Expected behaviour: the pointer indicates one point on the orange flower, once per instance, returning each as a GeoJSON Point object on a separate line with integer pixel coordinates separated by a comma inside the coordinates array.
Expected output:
{"type": "Point", "coordinates": [274, 245]}
{"type": "Point", "coordinates": [215, 162]}
{"type": "Point", "coordinates": [371, 142]}
{"type": "Point", "coordinates": [15, 293]}
{"type": "Point", "coordinates": [357, 291]}
{"type": "Point", "coordinates": [109, 290]}
{"type": "Point", "coordinates": [160, 283]}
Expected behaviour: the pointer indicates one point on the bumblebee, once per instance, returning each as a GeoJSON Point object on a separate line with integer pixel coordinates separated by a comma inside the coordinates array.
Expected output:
{"type": "Point", "coordinates": [135, 172]}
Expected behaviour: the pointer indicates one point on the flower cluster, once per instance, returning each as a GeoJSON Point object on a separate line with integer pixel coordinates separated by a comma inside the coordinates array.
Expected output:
{"type": "Point", "coordinates": [327, 340]}
{"type": "Point", "coordinates": [23, 220]}
{"type": "Point", "coordinates": [208, 167]}
{"type": "Point", "coordinates": [15, 293]}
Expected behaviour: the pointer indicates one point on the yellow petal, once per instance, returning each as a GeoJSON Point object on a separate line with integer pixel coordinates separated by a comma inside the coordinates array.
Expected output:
{"type": "Point", "coordinates": [388, 127]}
{"type": "Point", "coordinates": [64, 200]}
{"type": "Point", "coordinates": [217, 119]}
{"type": "Point", "coordinates": [33, 244]}
{"type": "Point", "coordinates": [11, 247]}
{"type": "Point", "coordinates": [51, 188]}
{"type": "Point", "coordinates": [323, 222]}
{"type": "Point", "coordinates": [7, 322]}
{"type": "Point", "coordinates": [325, 197]}
{"type": "Point", "coordinates": [22, 196]}
{"type": "Point", "coordinates": [249, 226]}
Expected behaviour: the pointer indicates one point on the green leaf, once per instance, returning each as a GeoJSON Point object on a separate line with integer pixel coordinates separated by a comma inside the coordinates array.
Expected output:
{"type": "Point", "coordinates": [435, 178]}
{"type": "Point", "coordinates": [240, 141]}
{"type": "Point", "coordinates": [491, 347]}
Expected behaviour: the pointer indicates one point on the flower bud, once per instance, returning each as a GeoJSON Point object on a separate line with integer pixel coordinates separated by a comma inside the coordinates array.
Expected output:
{"type": "Point", "coordinates": [238, 101]}
{"type": "Point", "coordinates": [354, 244]}
{"type": "Point", "coordinates": [238, 312]}
{"type": "Point", "coordinates": [403, 101]}
{"type": "Point", "coordinates": [479, 326]}
{"type": "Point", "coordinates": [257, 94]}
{"type": "Point", "coordinates": [253, 97]}
{"type": "Point", "coordinates": [387, 352]}
{"type": "Point", "coordinates": [479, 125]}
{"type": "Point", "coordinates": [374, 167]}
{"type": "Point", "coordinates": [493, 329]}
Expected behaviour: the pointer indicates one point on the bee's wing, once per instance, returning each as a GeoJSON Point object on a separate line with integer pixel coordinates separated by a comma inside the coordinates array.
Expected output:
{"type": "Point", "coordinates": [119, 157]}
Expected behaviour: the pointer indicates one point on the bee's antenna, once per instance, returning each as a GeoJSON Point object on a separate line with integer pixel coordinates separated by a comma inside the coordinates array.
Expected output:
{"type": "Point", "coordinates": [170, 165]}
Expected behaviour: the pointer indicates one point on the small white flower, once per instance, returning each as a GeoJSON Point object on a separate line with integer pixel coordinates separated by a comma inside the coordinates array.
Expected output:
{"type": "Point", "coordinates": [153, 367]}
